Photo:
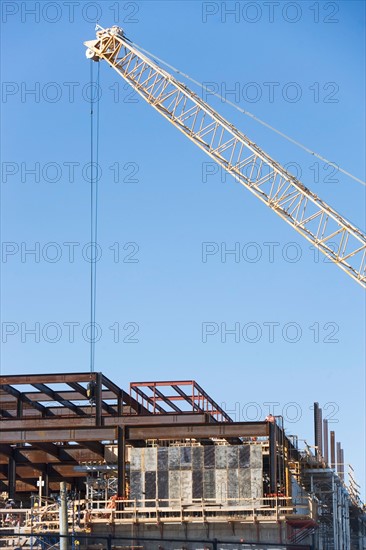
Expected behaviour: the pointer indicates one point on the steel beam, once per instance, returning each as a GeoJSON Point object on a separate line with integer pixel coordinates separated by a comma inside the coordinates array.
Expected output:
{"type": "Point", "coordinates": [56, 397]}
{"type": "Point", "coordinates": [95, 446]}
{"type": "Point", "coordinates": [59, 435]}
{"type": "Point", "coordinates": [166, 400]}
{"type": "Point", "coordinates": [150, 400]}
{"type": "Point", "coordinates": [5, 414]}
{"type": "Point", "coordinates": [77, 422]}
{"type": "Point", "coordinates": [128, 399]}
{"type": "Point", "coordinates": [79, 394]}
{"type": "Point", "coordinates": [47, 378]}
{"type": "Point", "coordinates": [83, 393]}
{"type": "Point", "coordinates": [45, 411]}
{"type": "Point", "coordinates": [217, 407]}
{"type": "Point", "coordinates": [187, 398]}
{"type": "Point", "coordinates": [170, 432]}
{"type": "Point", "coordinates": [220, 430]}
{"type": "Point", "coordinates": [69, 455]}
{"type": "Point", "coordinates": [6, 450]}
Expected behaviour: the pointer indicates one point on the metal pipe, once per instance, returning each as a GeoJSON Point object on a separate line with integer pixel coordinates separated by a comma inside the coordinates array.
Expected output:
{"type": "Point", "coordinates": [342, 464]}
{"type": "Point", "coordinates": [332, 450]}
{"type": "Point", "coordinates": [318, 430]}
{"type": "Point", "coordinates": [339, 460]}
{"type": "Point", "coordinates": [335, 513]}
{"type": "Point", "coordinates": [325, 441]}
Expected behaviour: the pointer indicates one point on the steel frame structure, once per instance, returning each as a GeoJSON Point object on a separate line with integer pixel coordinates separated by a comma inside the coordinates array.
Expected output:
{"type": "Point", "coordinates": [49, 432]}
{"type": "Point", "coordinates": [316, 221]}
{"type": "Point", "coordinates": [185, 392]}
{"type": "Point", "coordinates": [55, 434]}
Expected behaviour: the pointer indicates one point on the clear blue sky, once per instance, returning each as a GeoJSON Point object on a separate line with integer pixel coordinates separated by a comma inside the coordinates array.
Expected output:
{"type": "Point", "coordinates": [304, 51]}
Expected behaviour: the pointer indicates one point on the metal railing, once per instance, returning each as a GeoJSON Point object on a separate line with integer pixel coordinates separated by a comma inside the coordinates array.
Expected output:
{"type": "Point", "coordinates": [83, 513]}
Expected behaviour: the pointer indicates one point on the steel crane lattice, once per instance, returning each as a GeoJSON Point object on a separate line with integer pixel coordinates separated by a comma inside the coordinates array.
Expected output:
{"type": "Point", "coordinates": [315, 220]}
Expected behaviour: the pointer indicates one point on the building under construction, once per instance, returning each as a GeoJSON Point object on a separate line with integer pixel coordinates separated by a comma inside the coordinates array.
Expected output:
{"type": "Point", "coordinates": [163, 466]}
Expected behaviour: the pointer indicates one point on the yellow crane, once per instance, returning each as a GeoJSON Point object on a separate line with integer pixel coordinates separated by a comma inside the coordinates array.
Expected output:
{"type": "Point", "coordinates": [316, 221]}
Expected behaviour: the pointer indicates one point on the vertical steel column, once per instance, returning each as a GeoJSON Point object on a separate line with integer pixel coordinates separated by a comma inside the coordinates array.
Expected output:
{"type": "Point", "coordinates": [325, 441]}
{"type": "Point", "coordinates": [348, 527]}
{"type": "Point", "coordinates": [339, 460]}
{"type": "Point", "coordinates": [19, 408]}
{"type": "Point", "coordinates": [98, 399]}
{"type": "Point", "coordinates": [11, 476]}
{"type": "Point", "coordinates": [121, 464]}
{"type": "Point", "coordinates": [119, 404]}
{"type": "Point", "coordinates": [332, 450]}
{"type": "Point", "coordinates": [318, 429]}
{"type": "Point", "coordinates": [273, 456]}
{"type": "Point", "coordinates": [335, 513]}
{"type": "Point", "coordinates": [340, 517]}
{"type": "Point", "coordinates": [342, 463]}
{"type": "Point", "coordinates": [45, 487]}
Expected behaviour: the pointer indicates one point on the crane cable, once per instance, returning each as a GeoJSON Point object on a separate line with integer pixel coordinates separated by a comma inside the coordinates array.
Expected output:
{"type": "Point", "coordinates": [94, 173]}
{"type": "Point", "coordinates": [247, 113]}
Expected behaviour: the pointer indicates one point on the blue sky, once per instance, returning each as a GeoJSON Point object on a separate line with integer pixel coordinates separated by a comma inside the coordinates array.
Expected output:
{"type": "Point", "coordinates": [163, 207]}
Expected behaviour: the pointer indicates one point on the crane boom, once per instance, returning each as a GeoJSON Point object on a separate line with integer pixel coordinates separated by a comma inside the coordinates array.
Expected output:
{"type": "Point", "coordinates": [315, 220]}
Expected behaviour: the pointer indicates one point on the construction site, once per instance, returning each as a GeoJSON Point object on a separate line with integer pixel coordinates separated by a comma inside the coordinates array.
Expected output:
{"type": "Point", "coordinates": [161, 465]}
{"type": "Point", "coordinates": [165, 462]}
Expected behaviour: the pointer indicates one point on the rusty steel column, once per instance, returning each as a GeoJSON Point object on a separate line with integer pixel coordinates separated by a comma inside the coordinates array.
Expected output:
{"type": "Point", "coordinates": [318, 440]}
{"type": "Point", "coordinates": [339, 460]}
{"type": "Point", "coordinates": [19, 407]}
{"type": "Point", "coordinates": [342, 464]}
{"type": "Point", "coordinates": [45, 487]}
{"type": "Point", "coordinates": [120, 404]}
{"type": "Point", "coordinates": [332, 450]}
{"type": "Point", "coordinates": [121, 461]}
{"type": "Point", "coordinates": [98, 399]}
{"type": "Point", "coordinates": [325, 441]}
{"type": "Point", "coordinates": [11, 476]}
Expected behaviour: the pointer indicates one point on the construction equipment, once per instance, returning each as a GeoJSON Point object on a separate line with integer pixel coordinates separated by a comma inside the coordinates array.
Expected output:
{"type": "Point", "coordinates": [326, 229]}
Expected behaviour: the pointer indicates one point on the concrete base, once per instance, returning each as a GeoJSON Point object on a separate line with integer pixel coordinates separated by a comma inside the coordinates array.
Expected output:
{"type": "Point", "coordinates": [233, 531]}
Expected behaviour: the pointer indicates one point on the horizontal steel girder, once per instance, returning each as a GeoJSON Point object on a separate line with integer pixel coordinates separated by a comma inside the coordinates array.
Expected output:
{"type": "Point", "coordinates": [169, 432]}
{"type": "Point", "coordinates": [77, 422]}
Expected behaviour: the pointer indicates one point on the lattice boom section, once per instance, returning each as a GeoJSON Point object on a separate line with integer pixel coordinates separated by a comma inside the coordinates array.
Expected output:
{"type": "Point", "coordinates": [334, 236]}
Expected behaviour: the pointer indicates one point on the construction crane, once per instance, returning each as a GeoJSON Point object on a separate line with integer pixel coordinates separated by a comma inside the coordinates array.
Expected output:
{"type": "Point", "coordinates": [328, 231]}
